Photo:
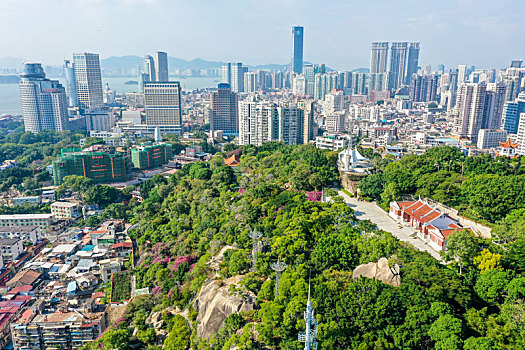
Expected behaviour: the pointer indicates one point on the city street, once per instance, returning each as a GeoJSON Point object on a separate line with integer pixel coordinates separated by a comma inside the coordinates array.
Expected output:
{"type": "Point", "coordinates": [370, 211]}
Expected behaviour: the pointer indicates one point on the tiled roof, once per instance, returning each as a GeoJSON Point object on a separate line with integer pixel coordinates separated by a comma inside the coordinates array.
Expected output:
{"type": "Point", "coordinates": [24, 277]}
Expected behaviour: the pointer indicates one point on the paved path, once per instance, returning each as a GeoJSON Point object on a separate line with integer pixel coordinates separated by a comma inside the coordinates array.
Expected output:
{"type": "Point", "coordinates": [370, 211]}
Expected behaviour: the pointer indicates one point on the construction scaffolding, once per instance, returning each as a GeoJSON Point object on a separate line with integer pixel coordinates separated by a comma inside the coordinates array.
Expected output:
{"type": "Point", "coordinates": [150, 156]}
{"type": "Point", "coordinates": [101, 167]}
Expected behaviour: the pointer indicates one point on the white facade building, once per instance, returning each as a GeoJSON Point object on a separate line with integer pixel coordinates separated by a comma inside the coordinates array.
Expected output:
{"type": "Point", "coordinates": [488, 138]}
{"type": "Point", "coordinates": [44, 101]}
{"type": "Point", "coordinates": [31, 234]}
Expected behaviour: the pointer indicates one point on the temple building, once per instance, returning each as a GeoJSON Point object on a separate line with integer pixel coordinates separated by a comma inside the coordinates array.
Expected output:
{"type": "Point", "coordinates": [433, 225]}
{"type": "Point", "coordinates": [507, 149]}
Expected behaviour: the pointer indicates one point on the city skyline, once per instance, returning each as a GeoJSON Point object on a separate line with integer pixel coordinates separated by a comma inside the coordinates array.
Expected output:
{"type": "Point", "coordinates": [443, 29]}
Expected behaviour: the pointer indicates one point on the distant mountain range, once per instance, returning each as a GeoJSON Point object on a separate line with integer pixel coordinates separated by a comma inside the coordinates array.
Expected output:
{"type": "Point", "coordinates": [131, 62]}
{"type": "Point", "coordinates": [11, 62]}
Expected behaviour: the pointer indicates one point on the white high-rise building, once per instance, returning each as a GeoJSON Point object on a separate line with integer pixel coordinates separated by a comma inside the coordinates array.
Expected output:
{"type": "Point", "coordinates": [226, 73]}
{"type": "Point", "coordinates": [257, 122]}
{"type": "Point", "coordinates": [290, 124]}
{"type": "Point", "coordinates": [89, 80]}
{"type": "Point", "coordinates": [462, 73]}
{"type": "Point", "coordinates": [520, 136]}
{"type": "Point", "coordinates": [162, 103]}
{"type": "Point", "coordinates": [469, 110]}
{"type": "Point", "coordinates": [299, 85]}
{"type": "Point", "coordinates": [379, 56]}
{"type": "Point", "coordinates": [44, 101]}
{"type": "Point", "coordinates": [478, 106]}
{"type": "Point", "coordinates": [250, 82]}
{"type": "Point", "coordinates": [262, 122]}
{"type": "Point", "coordinates": [334, 102]}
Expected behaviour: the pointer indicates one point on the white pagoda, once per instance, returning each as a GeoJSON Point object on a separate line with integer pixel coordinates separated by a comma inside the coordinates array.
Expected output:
{"type": "Point", "coordinates": [351, 161]}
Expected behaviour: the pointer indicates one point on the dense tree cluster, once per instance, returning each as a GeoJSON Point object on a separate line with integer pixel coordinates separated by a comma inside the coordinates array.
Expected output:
{"type": "Point", "coordinates": [481, 187]}
{"type": "Point", "coordinates": [188, 218]}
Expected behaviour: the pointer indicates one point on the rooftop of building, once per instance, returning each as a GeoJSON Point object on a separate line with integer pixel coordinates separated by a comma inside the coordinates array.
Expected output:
{"type": "Point", "coordinates": [8, 241]}
{"type": "Point", "coordinates": [64, 204]}
{"type": "Point", "coordinates": [25, 216]}
{"type": "Point", "coordinates": [18, 228]}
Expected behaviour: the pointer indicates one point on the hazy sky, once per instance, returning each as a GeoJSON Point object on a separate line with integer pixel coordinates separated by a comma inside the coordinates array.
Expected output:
{"type": "Point", "coordinates": [337, 32]}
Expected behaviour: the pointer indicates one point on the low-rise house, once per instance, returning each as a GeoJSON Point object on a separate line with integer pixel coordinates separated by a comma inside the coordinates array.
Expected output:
{"type": "Point", "coordinates": [122, 249]}
{"type": "Point", "coordinates": [108, 267]}
{"type": "Point", "coordinates": [24, 278]}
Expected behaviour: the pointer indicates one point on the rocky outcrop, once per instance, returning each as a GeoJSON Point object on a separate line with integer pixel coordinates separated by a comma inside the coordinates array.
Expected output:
{"type": "Point", "coordinates": [380, 271]}
{"type": "Point", "coordinates": [215, 302]}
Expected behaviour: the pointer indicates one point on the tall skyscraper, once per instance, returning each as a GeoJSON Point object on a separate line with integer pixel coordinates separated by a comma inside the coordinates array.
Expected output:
{"type": "Point", "coordinates": [161, 66]}
{"type": "Point", "coordinates": [89, 80]}
{"type": "Point", "coordinates": [223, 104]}
{"type": "Point", "coordinates": [297, 49]}
{"type": "Point", "coordinates": [470, 108]}
{"type": "Point", "coordinates": [412, 61]}
{"type": "Point", "coordinates": [226, 73]}
{"type": "Point", "coordinates": [398, 64]}
{"type": "Point", "coordinates": [237, 77]}
{"type": "Point", "coordinates": [71, 83]}
{"type": "Point", "coordinates": [379, 56]}
{"type": "Point", "coordinates": [462, 73]}
{"type": "Point", "coordinates": [250, 82]}
{"type": "Point", "coordinates": [162, 103]}
{"type": "Point", "coordinates": [149, 69]}
{"type": "Point", "coordinates": [478, 106]}
{"type": "Point", "coordinates": [494, 106]}
{"type": "Point", "coordinates": [44, 101]}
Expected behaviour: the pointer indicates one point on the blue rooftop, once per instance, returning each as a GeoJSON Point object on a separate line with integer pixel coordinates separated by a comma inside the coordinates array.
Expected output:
{"type": "Point", "coordinates": [71, 287]}
{"type": "Point", "coordinates": [88, 248]}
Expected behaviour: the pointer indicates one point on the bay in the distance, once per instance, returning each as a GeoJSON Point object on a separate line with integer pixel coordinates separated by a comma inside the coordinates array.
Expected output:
{"type": "Point", "coordinates": [10, 93]}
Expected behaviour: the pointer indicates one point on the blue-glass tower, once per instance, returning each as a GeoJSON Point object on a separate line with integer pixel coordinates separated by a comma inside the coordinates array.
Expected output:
{"type": "Point", "coordinates": [297, 49]}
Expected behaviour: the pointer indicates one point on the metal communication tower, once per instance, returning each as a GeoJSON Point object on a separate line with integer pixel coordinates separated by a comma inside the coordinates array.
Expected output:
{"type": "Point", "coordinates": [278, 267]}
{"type": "Point", "coordinates": [255, 235]}
{"type": "Point", "coordinates": [308, 337]}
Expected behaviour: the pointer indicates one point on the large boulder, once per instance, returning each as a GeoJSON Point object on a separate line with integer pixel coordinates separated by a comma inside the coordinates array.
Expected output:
{"type": "Point", "coordinates": [380, 270]}
{"type": "Point", "coordinates": [215, 302]}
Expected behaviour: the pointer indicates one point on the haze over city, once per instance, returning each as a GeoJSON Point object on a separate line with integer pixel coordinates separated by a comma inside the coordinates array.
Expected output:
{"type": "Point", "coordinates": [262, 175]}
{"type": "Point", "coordinates": [481, 33]}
